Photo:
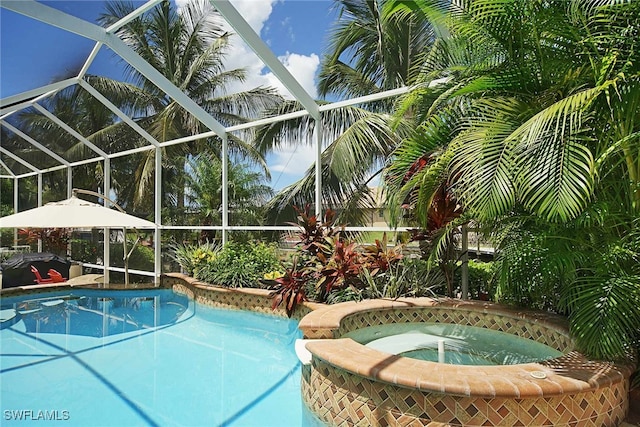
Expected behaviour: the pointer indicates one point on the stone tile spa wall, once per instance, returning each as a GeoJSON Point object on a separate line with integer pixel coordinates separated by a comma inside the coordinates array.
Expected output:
{"type": "Point", "coordinates": [349, 384]}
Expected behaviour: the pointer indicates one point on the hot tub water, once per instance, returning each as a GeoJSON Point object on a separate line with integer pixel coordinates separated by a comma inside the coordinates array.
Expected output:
{"type": "Point", "coordinates": [463, 345]}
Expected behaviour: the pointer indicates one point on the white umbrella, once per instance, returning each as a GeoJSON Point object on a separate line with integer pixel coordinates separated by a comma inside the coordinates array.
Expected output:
{"type": "Point", "coordinates": [77, 213]}
{"type": "Point", "coordinates": [73, 213]}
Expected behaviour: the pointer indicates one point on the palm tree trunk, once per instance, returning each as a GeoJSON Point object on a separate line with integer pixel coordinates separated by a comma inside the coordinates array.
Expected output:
{"type": "Point", "coordinates": [633, 167]}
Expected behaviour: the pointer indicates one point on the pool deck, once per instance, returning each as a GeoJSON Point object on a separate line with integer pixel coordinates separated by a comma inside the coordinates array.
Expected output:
{"type": "Point", "coordinates": [85, 281]}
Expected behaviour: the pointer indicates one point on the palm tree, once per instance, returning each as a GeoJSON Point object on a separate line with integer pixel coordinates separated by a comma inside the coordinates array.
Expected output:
{"type": "Point", "coordinates": [188, 47]}
{"type": "Point", "coordinates": [357, 143]}
{"type": "Point", "coordinates": [78, 109]}
{"type": "Point", "coordinates": [534, 132]}
{"type": "Point", "coordinates": [248, 192]}
{"type": "Point", "coordinates": [371, 50]}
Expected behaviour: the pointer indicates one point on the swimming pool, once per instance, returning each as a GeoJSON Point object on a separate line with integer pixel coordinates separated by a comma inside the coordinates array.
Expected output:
{"type": "Point", "coordinates": [90, 358]}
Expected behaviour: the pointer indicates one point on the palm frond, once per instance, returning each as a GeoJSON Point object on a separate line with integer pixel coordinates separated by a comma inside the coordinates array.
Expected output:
{"type": "Point", "coordinates": [604, 314]}
{"type": "Point", "coordinates": [556, 171]}
{"type": "Point", "coordinates": [484, 161]}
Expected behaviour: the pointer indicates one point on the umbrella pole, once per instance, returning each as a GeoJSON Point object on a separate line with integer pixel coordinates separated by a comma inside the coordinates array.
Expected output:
{"type": "Point", "coordinates": [127, 255]}
{"type": "Point", "coordinates": [124, 243]}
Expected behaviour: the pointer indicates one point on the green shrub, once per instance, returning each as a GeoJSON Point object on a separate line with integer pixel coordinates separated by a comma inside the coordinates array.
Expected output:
{"type": "Point", "coordinates": [480, 277]}
{"type": "Point", "coordinates": [194, 257]}
{"type": "Point", "coordinates": [239, 265]}
{"type": "Point", "coordinates": [6, 237]}
{"type": "Point", "coordinates": [339, 295]}
{"type": "Point", "coordinates": [407, 278]}
{"type": "Point", "coordinates": [142, 257]}
{"type": "Point", "coordinates": [84, 251]}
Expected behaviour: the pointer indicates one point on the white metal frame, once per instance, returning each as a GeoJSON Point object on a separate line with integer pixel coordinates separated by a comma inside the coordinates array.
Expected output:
{"type": "Point", "coordinates": [106, 36]}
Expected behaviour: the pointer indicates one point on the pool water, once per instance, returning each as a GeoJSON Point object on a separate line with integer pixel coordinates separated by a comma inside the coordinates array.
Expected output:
{"type": "Point", "coordinates": [132, 358]}
{"type": "Point", "coordinates": [463, 345]}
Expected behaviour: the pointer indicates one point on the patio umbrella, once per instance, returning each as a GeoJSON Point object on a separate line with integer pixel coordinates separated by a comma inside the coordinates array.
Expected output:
{"type": "Point", "coordinates": [73, 213]}
{"type": "Point", "coordinates": [77, 213]}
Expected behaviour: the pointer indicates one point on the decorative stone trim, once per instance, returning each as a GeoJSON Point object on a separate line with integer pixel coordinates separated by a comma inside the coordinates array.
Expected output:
{"type": "Point", "coordinates": [340, 319]}
{"type": "Point", "coordinates": [257, 300]}
{"type": "Point", "coordinates": [340, 398]}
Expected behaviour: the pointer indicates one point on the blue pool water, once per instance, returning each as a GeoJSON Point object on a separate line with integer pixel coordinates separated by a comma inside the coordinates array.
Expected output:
{"type": "Point", "coordinates": [130, 358]}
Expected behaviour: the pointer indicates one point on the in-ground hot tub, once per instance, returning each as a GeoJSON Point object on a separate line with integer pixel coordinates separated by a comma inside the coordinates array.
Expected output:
{"type": "Point", "coordinates": [348, 383]}
{"type": "Point", "coordinates": [452, 343]}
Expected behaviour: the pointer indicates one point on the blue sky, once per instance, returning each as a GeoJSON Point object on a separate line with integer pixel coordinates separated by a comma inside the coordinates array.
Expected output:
{"type": "Point", "coordinates": [33, 54]}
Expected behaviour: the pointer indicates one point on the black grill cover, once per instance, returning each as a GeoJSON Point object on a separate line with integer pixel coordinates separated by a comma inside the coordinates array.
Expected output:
{"type": "Point", "coordinates": [16, 271]}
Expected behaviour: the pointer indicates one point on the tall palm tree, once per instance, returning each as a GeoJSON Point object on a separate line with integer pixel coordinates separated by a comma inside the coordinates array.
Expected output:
{"type": "Point", "coordinates": [188, 47]}
{"type": "Point", "coordinates": [356, 142]}
{"type": "Point", "coordinates": [534, 132]}
{"type": "Point", "coordinates": [371, 50]}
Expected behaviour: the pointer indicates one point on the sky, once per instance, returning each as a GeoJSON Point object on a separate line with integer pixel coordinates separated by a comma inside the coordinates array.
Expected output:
{"type": "Point", "coordinates": [33, 54]}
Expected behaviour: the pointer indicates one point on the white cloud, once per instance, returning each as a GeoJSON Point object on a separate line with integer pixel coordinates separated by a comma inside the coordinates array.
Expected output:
{"type": "Point", "coordinates": [293, 160]}
{"type": "Point", "coordinates": [302, 67]}
{"type": "Point", "coordinates": [256, 13]}
{"type": "Point", "coordinates": [289, 163]}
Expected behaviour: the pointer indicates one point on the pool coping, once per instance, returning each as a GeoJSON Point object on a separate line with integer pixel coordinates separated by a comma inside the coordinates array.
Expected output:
{"type": "Point", "coordinates": [567, 374]}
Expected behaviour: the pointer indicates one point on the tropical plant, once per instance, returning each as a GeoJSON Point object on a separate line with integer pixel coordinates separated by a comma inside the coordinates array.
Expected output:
{"type": "Point", "coordinates": [371, 49]}
{"type": "Point", "coordinates": [290, 288]}
{"type": "Point", "coordinates": [85, 251]}
{"type": "Point", "coordinates": [79, 110]}
{"type": "Point", "coordinates": [247, 193]}
{"type": "Point", "coordinates": [327, 265]}
{"type": "Point", "coordinates": [357, 143]}
{"type": "Point", "coordinates": [436, 237]}
{"type": "Point", "coordinates": [314, 233]}
{"type": "Point", "coordinates": [241, 265]}
{"type": "Point", "coordinates": [481, 278]}
{"type": "Point", "coordinates": [378, 257]}
{"type": "Point", "coordinates": [188, 46]}
{"type": "Point", "coordinates": [54, 240]}
{"type": "Point", "coordinates": [534, 129]}
{"type": "Point", "coordinates": [405, 278]}
{"type": "Point", "coordinates": [193, 257]}
{"type": "Point", "coordinates": [141, 258]}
